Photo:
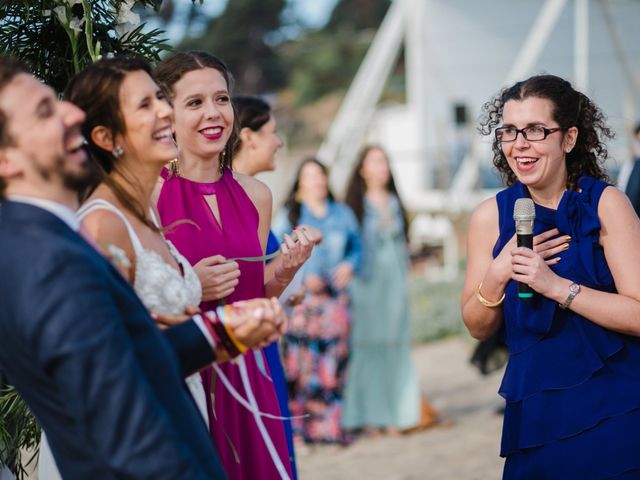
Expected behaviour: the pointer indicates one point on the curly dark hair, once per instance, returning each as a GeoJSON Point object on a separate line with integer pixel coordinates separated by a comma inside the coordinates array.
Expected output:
{"type": "Point", "coordinates": [570, 109]}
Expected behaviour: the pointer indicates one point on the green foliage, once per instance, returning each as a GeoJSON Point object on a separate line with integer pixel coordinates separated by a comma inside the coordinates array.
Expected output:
{"type": "Point", "coordinates": [19, 432]}
{"type": "Point", "coordinates": [58, 38]}
{"type": "Point", "coordinates": [240, 36]}
{"type": "Point", "coordinates": [249, 36]}
{"type": "Point", "coordinates": [435, 308]}
{"type": "Point", "coordinates": [357, 14]}
{"type": "Point", "coordinates": [323, 63]}
{"type": "Point", "coordinates": [326, 61]}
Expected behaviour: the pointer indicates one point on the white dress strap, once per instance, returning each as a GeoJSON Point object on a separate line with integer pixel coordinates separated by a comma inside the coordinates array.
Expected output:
{"type": "Point", "coordinates": [154, 219]}
{"type": "Point", "coordinates": [102, 204]}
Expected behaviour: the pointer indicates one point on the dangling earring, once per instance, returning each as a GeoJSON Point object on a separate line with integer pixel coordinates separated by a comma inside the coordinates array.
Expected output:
{"type": "Point", "coordinates": [174, 168]}
{"type": "Point", "coordinates": [174, 165]}
{"type": "Point", "coordinates": [223, 158]}
{"type": "Point", "coordinates": [117, 152]}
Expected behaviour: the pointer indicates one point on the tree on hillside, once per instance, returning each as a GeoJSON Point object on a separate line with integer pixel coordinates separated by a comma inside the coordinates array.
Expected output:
{"type": "Point", "coordinates": [240, 37]}
{"type": "Point", "coordinates": [357, 14]}
{"type": "Point", "coordinates": [326, 61]}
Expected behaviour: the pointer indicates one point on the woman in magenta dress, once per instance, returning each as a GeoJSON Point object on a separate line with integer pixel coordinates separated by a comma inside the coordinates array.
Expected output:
{"type": "Point", "coordinates": [218, 216]}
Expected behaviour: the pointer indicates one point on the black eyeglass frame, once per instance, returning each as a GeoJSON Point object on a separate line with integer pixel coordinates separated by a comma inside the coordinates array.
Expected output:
{"type": "Point", "coordinates": [547, 132]}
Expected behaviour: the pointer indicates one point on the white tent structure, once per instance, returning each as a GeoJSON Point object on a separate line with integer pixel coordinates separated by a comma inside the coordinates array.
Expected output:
{"type": "Point", "coordinates": [458, 54]}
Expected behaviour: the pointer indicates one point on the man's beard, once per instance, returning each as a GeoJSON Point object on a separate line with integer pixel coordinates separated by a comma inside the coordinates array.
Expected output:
{"type": "Point", "coordinates": [78, 181]}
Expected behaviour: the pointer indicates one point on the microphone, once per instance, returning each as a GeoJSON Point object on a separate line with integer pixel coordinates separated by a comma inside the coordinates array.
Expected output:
{"type": "Point", "coordinates": [524, 213]}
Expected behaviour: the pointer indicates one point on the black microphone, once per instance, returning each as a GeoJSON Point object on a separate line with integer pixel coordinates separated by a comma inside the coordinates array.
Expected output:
{"type": "Point", "coordinates": [524, 213]}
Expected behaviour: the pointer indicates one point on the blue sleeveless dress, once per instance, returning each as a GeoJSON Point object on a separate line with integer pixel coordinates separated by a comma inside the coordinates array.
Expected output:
{"type": "Point", "coordinates": [572, 388]}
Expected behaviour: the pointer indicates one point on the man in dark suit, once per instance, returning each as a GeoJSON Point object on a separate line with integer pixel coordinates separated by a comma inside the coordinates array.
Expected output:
{"type": "Point", "coordinates": [103, 381]}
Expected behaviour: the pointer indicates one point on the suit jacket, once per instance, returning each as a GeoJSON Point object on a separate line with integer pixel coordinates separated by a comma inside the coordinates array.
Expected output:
{"type": "Point", "coordinates": [103, 381]}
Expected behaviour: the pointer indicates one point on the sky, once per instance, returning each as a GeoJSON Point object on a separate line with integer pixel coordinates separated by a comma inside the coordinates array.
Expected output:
{"type": "Point", "coordinates": [316, 12]}
{"type": "Point", "coordinates": [313, 13]}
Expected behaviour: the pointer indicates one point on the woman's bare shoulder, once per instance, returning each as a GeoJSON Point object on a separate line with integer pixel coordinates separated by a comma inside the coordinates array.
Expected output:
{"type": "Point", "coordinates": [259, 193]}
{"type": "Point", "coordinates": [486, 212]}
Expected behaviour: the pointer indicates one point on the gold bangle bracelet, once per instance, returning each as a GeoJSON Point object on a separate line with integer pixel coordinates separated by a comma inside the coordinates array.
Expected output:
{"type": "Point", "coordinates": [486, 302]}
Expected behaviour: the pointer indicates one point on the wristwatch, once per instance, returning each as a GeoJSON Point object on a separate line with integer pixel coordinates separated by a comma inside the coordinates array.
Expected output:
{"type": "Point", "coordinates": [574, 289]}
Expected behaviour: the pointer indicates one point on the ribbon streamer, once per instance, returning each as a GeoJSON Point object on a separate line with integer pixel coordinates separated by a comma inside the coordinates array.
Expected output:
{"type": "Point", "coordinates": [252, 406]}
{"type": "Point", "coordinates": [261, 258]}
{"type": "Point", "coordinates": [277, 461]}
{"type": "Point", "coordinates": [242, 401]}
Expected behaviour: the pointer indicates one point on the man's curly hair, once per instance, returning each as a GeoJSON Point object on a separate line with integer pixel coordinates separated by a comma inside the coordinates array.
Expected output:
{"type": "Point", "coordinates": [570, 109]}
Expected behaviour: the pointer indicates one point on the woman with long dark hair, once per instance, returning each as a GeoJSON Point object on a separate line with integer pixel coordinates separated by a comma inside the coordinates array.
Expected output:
{"type": "Point", "coordinates": [316, 345]}
{"type": "Point", "coordinates": [229, 215]}
{"type": "Point", "coordinates": [382, 390]}
{"type": "Point", "coordinates": [571, 384]}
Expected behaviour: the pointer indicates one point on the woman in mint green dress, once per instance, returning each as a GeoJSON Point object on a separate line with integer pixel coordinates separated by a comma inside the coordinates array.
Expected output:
{"type": "Point", "coordinates": [382, 391]}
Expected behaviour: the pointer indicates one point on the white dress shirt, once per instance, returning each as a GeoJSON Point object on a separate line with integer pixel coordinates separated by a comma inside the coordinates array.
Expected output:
{"type": "Point", "coordinates": [61, 211]}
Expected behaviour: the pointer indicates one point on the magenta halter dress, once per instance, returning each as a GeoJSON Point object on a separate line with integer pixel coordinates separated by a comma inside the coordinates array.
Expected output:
{"type": "Point", "coordinates": [239, 439]}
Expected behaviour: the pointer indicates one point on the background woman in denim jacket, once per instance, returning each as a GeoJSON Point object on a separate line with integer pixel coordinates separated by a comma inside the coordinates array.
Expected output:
{"type": "Point", "coordinates": [315, 348]}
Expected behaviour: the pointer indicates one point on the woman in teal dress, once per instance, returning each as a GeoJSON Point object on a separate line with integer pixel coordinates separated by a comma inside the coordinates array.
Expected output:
{"type": "Point", "coordinates": [572, 382]}
{"type": "Point", "coordinates": [382, 389]}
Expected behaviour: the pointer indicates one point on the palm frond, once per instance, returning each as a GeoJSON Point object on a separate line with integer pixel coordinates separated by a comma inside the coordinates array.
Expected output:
{"type": "Point", "coordinates": [19, 432]}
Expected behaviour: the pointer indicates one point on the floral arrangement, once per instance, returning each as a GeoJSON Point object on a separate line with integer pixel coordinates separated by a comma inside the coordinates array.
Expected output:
{"type": "Point", "coordinates": [58, 38]}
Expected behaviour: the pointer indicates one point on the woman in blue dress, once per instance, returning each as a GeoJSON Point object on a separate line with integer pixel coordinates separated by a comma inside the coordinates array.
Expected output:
{"type": "Point", "coordinates": [572, 383]}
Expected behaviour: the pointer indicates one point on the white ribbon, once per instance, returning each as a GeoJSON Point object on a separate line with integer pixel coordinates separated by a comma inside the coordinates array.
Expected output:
{"type": "Point", "coordinates": [252, 406]}
{"type": "Point", "coordinates": [242, 401]}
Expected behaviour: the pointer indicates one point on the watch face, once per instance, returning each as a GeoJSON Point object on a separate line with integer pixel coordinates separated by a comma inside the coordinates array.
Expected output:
{"type": "Point", "coordinates": [574, 288]}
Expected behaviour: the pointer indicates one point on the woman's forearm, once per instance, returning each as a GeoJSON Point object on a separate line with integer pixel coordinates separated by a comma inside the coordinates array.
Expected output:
{"type": "Point", "coordinates": [614, 311]}
{"type": "Point", "coordinates": [482, 305]}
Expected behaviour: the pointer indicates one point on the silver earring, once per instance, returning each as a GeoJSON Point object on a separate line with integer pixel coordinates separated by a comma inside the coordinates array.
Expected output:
{"type": "Point", "coordinates": [117, 152]}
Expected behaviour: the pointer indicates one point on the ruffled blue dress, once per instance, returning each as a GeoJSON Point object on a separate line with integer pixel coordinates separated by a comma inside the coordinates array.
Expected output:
{"type": "Point", "coordinates": [572, 388]}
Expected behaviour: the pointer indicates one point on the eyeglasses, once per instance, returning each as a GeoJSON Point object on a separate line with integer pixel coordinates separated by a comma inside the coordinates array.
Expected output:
{"type": "Point", "coordinates": [534, 133]}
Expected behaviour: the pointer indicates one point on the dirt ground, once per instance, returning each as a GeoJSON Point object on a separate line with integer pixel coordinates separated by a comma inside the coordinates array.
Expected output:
{"type": "Point", "coordinates": [466, 450]}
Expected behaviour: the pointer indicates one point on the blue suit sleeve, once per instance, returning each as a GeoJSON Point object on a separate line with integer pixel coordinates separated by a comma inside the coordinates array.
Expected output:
{"type": "Point", "coordinates": [78, 335]}
{"type": "Point", "coordinates": [193, 350]}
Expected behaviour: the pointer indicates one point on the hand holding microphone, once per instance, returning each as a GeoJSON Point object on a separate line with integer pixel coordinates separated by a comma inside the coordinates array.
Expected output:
{"type": "Point", "coordinates": [524, 213]}
{"type": "Point", "coordinates": [546, 250]}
